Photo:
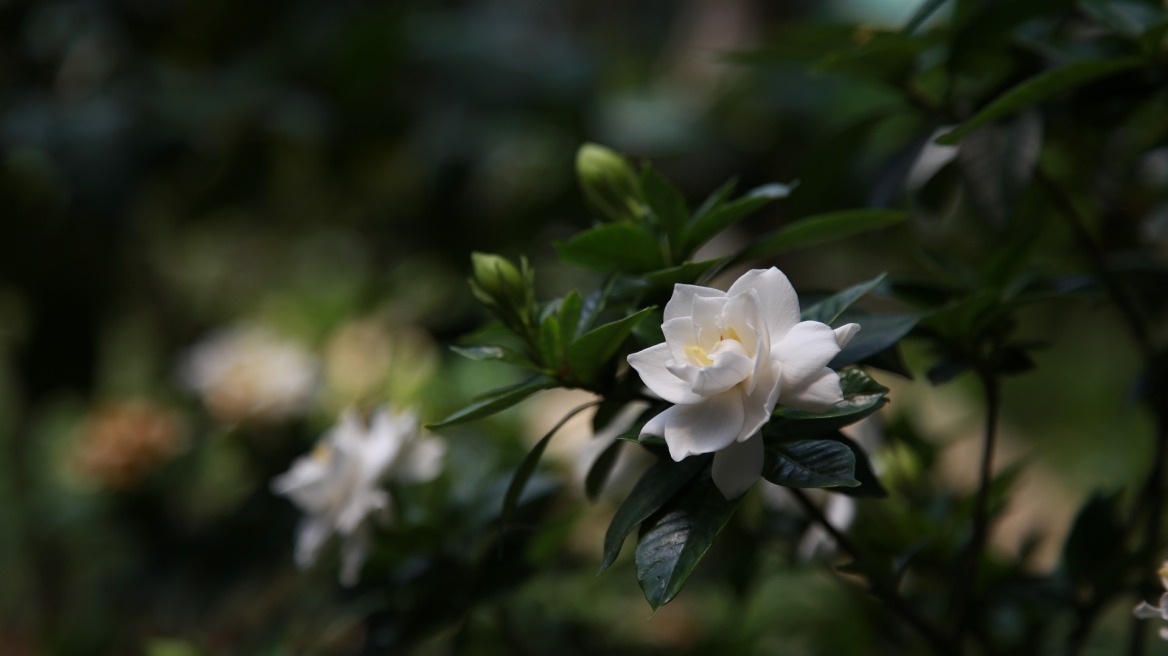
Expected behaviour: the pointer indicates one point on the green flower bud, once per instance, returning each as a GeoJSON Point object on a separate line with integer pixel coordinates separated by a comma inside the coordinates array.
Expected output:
{"type": "Point", "coordinates": [504, 289]}
{"type": "Point", "coordinates": [609, 183]}
{"type": "Point", "coordinates": [496, 276]}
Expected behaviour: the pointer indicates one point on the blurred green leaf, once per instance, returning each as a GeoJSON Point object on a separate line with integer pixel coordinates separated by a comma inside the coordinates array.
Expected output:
{"type": "Point", "coordinates": [1039, 88]}
{"type": "Point", "coordinates": [821, 228]}
{"type": "Point", "coordinates": [687, 272]}
{"type": "Point", "coordinates": [666, 203]}
{"type": "Point", "coordinates": [527, 466]}
{"type": "Point", "coordinates": [569, 316]}
{"type": "Point", "coordinates": [500, 353]}
{"type": "Point", "coordinates": [658, 485]}
{"type": "Point", "coordinates": [673, 543]}
{"type": "Point", "coordinates": [829, 309]}
{"type": "Point", "coordinates": [922, 14]}
{"type": "Point", "coordinates": [495, 401]}
{"type": "Point", "coordinates": [623, 247]}
{"type": "Point", "coordinates": [593, 349]}
{"type": "Point", "coordinates": [551, 343]}
{"type": "Point", "coordinates": [705, 225]}
{"type": "Point", "coordinates": [810, 463]}
{"type": "Point", "coordinates": [997, 162]}
{"type": "Point", "coordinates": [869, 485]}
{"type": "Point", "coordinates": [1095, 539]}
{"type": "Point", "coordinates": [601, 467]}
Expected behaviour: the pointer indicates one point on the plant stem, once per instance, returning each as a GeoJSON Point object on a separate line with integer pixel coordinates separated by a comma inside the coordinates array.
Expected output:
{"type": "Point", "coordinates": [967, 583]}
{"type": "Point", "coordinates": [888, 593]}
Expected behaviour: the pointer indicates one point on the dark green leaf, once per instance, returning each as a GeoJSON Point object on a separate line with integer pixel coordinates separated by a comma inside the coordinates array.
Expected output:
{"type": "Point", "coordinates": [673, 543]}
{"type": "Point", "coordinates": [600, 469]}
{"type": "Point", "coordinates": [877, 332]}
{"type": "Point", "coordinates": [997, 162]}
{"type": "Point", "coordinates": [1130, 19]}
{"type": "Point", "coordinates": [1095, 538]}
{"type": "Point", "coordinates": [715, 199]}
{"type": "Point", "coordinates": [592, 350]}
{"type": "Point", "coordinates": [869, 485]}
{"type": "Point", "coordinates": [1039, 88]}
{"type": "Point", "coordinates": [922, 14]}
{"type": "Point", "coordinates": [654, 490]}
{"type": "Point", "coordinates": [551, 344]}
{"type": "Point", "coordinates": [665, 201]}
{"type": "Point", "coordinates": [569, 316]}
{"type": "Point", "coordinates": [682, 273]}
{"type": "Point", "coordinates": [821, 228]}
{"type": "Point", "coordinates": [705, 226]}
{"type": "Point", "coordinates": [527, 467]}
{"type": "Point", "coordinates": [500, 353]}
{"type": "Point", "coordinates": [623, 247]}
{"type": "Point", "coordinates": [862, 396]}
{"type": "Point", "coordinates": [829, 309]}
{"type": "Point", "coordinates": [496, 401]}
{"type": "Point", "coordinates": [810, 463]}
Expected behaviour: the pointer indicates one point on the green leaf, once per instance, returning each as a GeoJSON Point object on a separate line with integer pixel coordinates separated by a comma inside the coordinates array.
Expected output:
{"type": "Point", "coordinates": [877, 332]}
{"type": "Point", "coordinates": [997, 162]}
{"type": "Point", "coordinates": [619, 247]}
{"type": "Point", "coordinates": [659, 484]}
{"type": "Point", "coordinates": [495, 401]}
{"type": "Point", "coordinates": [551, 343]}
{"type": "Point", "coordinates": [687, 272]}
{"type": "Point", "coordinates": [1039, 88]}
{"type": "Point", "coordinates": [569, 316]}
{"type": "Point", "coordinates": [600, 469]}
{"type": "Point", "coordinates": [869, 485]}
{"type": "Point", "coordinates": [665, 201]}
{"type": "Point", "coordinates": [829, 309]}
{"type": "Point", "coordinates": [862, 396]}
{"type": "Point", "coordinates": [706, 225]}
{"type": "Point", "coordinates": [922, 14]}
{"type": "Point", "coordinates": [589, 352]}
{"type": "Point", "coordinates": [810, 463]}
{"type": "Point", "coordinates": [673, 542]}
{"type": "Point", "coordinates": [821, 228]}
{"type": "Point", "coordinates": [715, 199]}
{"type": "Point", "coordinates": [527, 467]}
{"type": "Point", "coordinates": [1095, 539]}
{"type": "Point", "coordinates": [498, 353]}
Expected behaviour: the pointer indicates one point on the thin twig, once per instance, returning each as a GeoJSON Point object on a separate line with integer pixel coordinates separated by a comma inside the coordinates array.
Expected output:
{"type": "Point", "coordinates": [880, 588]}
{"type": "Point", "coordinates": [966, 587]}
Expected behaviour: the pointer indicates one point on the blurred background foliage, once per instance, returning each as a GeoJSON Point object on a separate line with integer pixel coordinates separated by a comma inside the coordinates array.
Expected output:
{"type": "Point", "coordinates": [315, 175]}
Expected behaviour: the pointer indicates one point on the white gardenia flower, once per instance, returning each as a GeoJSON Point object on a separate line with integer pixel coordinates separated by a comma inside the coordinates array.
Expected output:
{"type": "Point", "coordinates": [248, 373]}
{"type": "Point", "coordinates": [338, 485]}
{"type": "Point", "coordinates": [728, 359]}
{"type": "Point", "coordinates": [1146, 611]}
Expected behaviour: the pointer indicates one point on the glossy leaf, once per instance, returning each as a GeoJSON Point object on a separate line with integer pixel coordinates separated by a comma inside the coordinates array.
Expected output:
{"type": "Point", "coordinates": [829, 309]}
{"type": "Point", "coordinates": [687, 272]}
{"type": "Point", "coordinates": [1039, 88]}
{"type": "Point", "coordinates": [862, 396]}
{"type": "Point", "coordinates": [821, 228]}
{"type": "Point", "coordinates": [593, 349]}
{"type": "Point", "coordinates": [869, 485]}
{"type": "Point", "coordinates": [665, 201]}
{"type": "Point", "coordinates": [672, 543]}
{"type": "Point", "coordinates": [810, 463]}
{"type": "Point", "coordinates": [490, 352]}
{"type": "Point", "coordinates": [877, 333]}
{"type": "Point", "coordinates": [496, 401]}
{"type": "Point", "coordinates": [623, 247]}
{"type": "Point", "coordinates": [658, 485]}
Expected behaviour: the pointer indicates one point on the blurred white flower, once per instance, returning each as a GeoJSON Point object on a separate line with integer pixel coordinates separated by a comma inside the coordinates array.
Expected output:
{"type": "Point", "coordinates": [1146, 611]}
{"type": "Point", "coordinates": [728, 358]}
{"type": "Point", "coordinates": [338, 485]}
{"type": "Point", "coordinates": [247, 373]}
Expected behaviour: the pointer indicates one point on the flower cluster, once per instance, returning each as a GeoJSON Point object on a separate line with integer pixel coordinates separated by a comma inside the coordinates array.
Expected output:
{"type": "Point", "coordinates": [728, 359]}
{"type": "Point", "coordinates": [339, 485]}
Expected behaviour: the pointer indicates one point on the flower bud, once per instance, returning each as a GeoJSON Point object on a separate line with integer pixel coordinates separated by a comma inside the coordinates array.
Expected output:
{"type": "Point", "coordinates": [504, 289]}
{"type": "Point", "coordinates": [609, 183]}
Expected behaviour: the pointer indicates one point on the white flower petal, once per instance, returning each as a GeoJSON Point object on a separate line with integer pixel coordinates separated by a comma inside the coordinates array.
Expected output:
{"type": "Point", "coordinates": [730, 366]}
{"type": "Point", "coordinates": [421, 462]}
{"type": "Point", "coordinates": [760, 404]}
{"type": "Point", "coordinates": [651, 365]}
{"type": "Point", "coordinates": [818, 395]}
{"type": "Point", "coordinates": [703, 427]}
{"type": "Point", "coordinates": [845, 333]}
{"type": "Point", "coordinates": [1146, 611]}
{"type": "Point", "coordinates": [679, 334]}
{"type": "Point", "coordinates": [777, 298]}
{"type": "Point", "coordinates": [354, 552]}
{"type": "Point", "coordinates": [804, 352]}
{"type": "Point", "coordinates": [681, 303]}
{"type": "Point", "coordinates": [738, 466]}
{"type": "Point", "coordinates": [707, 320]}
{"type": "Point", "coordinates": [311, 535]}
